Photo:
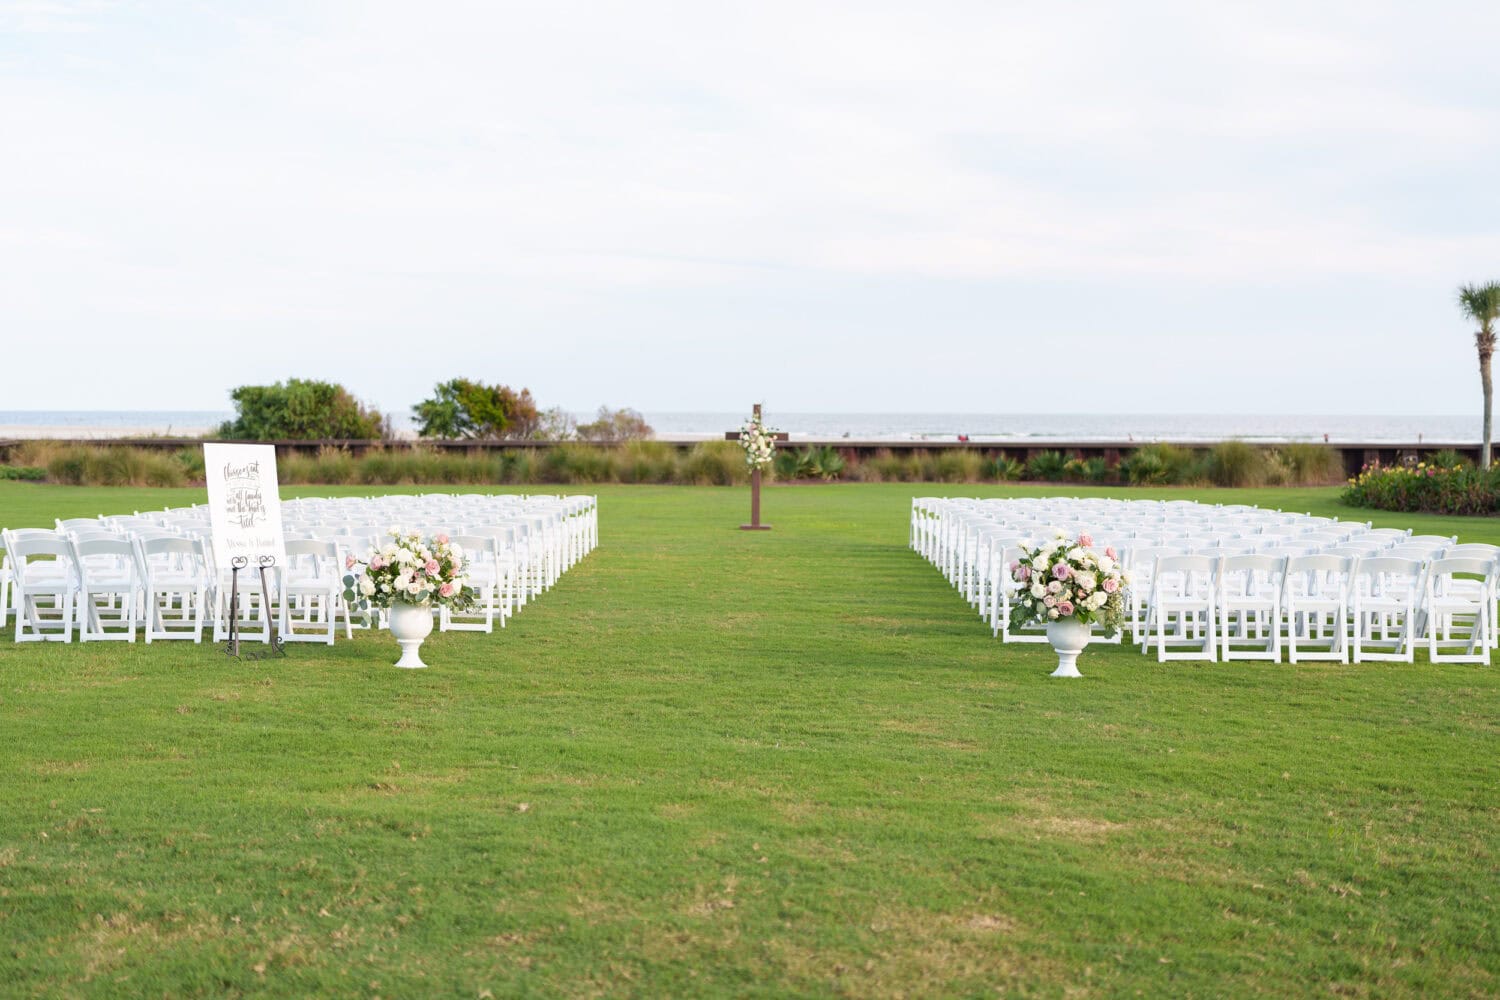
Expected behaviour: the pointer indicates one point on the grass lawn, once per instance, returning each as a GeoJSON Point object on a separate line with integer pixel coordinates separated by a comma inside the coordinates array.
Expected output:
{"type": "Point", "coordinates": [714, 762]}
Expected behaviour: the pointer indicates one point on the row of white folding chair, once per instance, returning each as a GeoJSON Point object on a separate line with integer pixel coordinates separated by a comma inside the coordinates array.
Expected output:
{"type": "Point", "coordinates": [105, 585]}
{"type": "Point", "coordinates": [1320, 607]}
{"type": "Point", "coordinates": [102, 586]}
{"type": "Point", "coordinates": [988, 586]}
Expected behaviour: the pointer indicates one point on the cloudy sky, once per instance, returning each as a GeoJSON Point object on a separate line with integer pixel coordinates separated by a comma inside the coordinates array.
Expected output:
{"type": "Point", "coordinates": [946, 206]}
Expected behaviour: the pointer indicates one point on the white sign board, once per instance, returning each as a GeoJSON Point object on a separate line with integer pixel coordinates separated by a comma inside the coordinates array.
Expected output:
{"type": "Point", "coordinates": [244, 503]}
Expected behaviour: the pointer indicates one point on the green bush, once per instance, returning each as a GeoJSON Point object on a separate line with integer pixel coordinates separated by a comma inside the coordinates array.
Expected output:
{"type": "Point", "coordinates": [1047, 467]}
{"type": "Point", "coordinates": [1456, 489]}
{"type": "Point", "coordinates": [463, 408]}
{"type": "Point", "coordinates": [300, 410]}
{"type": "Point", "coordinates": [813, 462]}
{"type": "Point", "coordinates": [1003, 469]}
{"type": "Point", "coordinates": [26, 473]}
{"type": "Point", "coordinates": [1310, 464]}
{"type": "Point", "coordinates": [647, 462]}
{"type": "Point", "coordinates": [84, 465]}
{"type": "Point", "coordinates": [958, 465]}
{"type": "Point", "coordinates": [1089, 470]}
{"type": "Point", "coordinates": [1161, 464]}
{"type": "Point", "coordinates": [577, 463]}
{"type": "Point", "coordinates": [715, 463]}
{"type": "Point", "coordinates": [1447, 459]}
{"type": "Point", "coordinates": [1235, 463]}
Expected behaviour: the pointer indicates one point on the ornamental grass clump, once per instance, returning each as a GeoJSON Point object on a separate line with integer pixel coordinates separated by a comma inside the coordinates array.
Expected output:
{"type": "Point", "coordinates": [1064, 579]}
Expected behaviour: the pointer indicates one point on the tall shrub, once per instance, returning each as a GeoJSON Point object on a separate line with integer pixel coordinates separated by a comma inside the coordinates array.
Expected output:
{"type": "Point", "coordinates": [300, 410]}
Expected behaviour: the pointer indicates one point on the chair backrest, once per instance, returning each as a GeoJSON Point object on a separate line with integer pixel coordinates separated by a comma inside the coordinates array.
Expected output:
{"type": "Point", "coordinates": [1461, 566]}
{"type": "Point", "coordinates": [53, 548]}
{"type": "Point", "coordinates": [1184, 574]}
{"type": "Point", "coordinates": [161, 545]}
{"type": "Point", "coordinates": [1323, 563]}
{"type": "Point", "coordinates": [105, 555]}
{"type": "Point", "coordinates": [1419, 551]}
{"type": "Point", "coordinates": [1385, 576]}
{"type": "Point", "coordinates": [1472, 550]}
{"type": "Point", "coordinates": [311, 547]}
{"type": "Point", "coordinates": [1249, 573]}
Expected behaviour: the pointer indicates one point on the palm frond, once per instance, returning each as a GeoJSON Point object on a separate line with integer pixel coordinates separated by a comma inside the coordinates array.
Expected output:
{"type": "Point", "coordinates": [1481, 303]}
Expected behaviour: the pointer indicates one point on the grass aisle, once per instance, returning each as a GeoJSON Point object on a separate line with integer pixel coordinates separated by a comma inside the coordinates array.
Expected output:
{"type": "Point", "coordinates": [712, 762]}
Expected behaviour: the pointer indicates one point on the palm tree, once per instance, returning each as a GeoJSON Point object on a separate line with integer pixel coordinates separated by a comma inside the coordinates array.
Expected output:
{"type": "Point", "coordinates": [1481, 303]}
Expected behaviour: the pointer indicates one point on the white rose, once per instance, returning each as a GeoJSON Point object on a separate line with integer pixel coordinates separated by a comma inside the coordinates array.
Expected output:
{"type": "Point", "coordinates": [1106, 564]}
{"type": "Point", "coordinates": [394, 529]}
{"type": "Point", "coordinates": [1051, 612]}
{"type": "Point", "coordinates": [366, 586]}
{"type": "Point", "coordinates": [1037, 590]}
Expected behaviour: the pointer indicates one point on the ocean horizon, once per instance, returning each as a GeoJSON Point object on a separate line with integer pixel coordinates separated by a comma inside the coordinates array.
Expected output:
{"type": "Point", "coordinates": [979, 427]}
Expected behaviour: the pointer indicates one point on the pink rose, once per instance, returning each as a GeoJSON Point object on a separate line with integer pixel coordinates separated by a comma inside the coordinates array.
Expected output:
{"type": "Point", "coordinates": [446, 590]}
{"type": "Point", "coordinates": [1086, 540]}
{"type": "Point", "coordinates": [1050, 601]}
{"type": "Point", "coordinates": [348, 562]}
{"type": "Point", "coordinates": [1054, 587]}
{"type": "Point", "coordinates": [1062, 571]}
{"type": "Point", "coordinates": [1110, 585]}
{"type": "Point", "coordinates": [1023, 572]}
{"type": "Point", "coordinates": [377, 563]}
{"type": "Point", "coordinates": [442, 539]}
{"type": "Point", "coordinates": [1109, 550]}
{"type": "Point", "coordinates": [432, 567]}
{"type": "Point", "coordinates": [1065, 608]}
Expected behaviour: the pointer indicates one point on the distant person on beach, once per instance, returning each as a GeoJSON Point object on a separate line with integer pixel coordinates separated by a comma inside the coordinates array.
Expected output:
{"type": "Point", "coordinates": [1325, 438]}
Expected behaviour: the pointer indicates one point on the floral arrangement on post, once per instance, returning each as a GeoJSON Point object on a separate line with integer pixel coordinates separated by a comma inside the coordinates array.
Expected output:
{"type": "Point", "coordinates": [410, 569]}
{"type": "Point", "coordinates": [1064, 579]}
{"type": "Point", "coordinates": [758, 441]}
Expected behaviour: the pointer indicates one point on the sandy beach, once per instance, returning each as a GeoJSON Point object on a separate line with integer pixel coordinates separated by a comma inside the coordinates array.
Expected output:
{"type": "Point", "coordinates": [84, 432]}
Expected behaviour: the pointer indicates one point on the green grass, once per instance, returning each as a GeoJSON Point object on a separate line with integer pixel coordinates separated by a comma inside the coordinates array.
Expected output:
{"type": "Point", "coordinates": [712, 762]}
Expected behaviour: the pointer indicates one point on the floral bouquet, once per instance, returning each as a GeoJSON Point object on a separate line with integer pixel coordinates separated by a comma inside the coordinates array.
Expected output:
{"type": "Point", "coordinates": [1068, 579]}
{"type": "Point", "coordinates": [410, 569]}
{"type": "Point", "coordinates": [759, 443]}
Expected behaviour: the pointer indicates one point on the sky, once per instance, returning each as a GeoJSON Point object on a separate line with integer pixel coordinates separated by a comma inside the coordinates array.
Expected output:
{"type": "Point", "coordinates": [863, 207]}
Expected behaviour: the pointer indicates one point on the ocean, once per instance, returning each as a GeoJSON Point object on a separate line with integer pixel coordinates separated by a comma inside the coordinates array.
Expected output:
{"type": "Point", "coordinates": [870, 426]}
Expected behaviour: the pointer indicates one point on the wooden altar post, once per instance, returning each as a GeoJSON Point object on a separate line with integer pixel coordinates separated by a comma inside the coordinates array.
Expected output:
{"type": "Point", "coordinates": [755, 524]}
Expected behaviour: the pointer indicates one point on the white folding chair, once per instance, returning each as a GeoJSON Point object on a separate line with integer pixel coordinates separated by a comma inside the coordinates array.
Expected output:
{"type": "Point", "coordinates": [110, 589]}
{"type": "Point", "coordinates": [310, 592]}
{"type": "Point", "coordinates": [1180, 617]}
{"type": "Point", "coordinates": [46, 580]}
{"type": "Point", "coordinates": [178, 583]}
{"type": "Point", "coordinates": [1386, 598]}
{"type": "Point", "coordinates": [1457, 604]}
{"type": "Point", "coordinates": [1315, 604]}
{"type": "Point", "coordinates": [1249, 607]}
{"type": "Point", "coordinates": [483, 570]}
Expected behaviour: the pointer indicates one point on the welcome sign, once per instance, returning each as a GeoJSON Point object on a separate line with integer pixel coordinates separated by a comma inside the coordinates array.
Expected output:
{"type": "Point", "coordinates": [244, 503]}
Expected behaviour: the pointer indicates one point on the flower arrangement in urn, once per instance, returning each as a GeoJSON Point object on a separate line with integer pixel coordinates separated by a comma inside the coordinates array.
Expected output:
{"type": "Point", "coordinates": [758, 441]}
{"type": "Point", "coordinates": [1067, 586]}
{"type": "Point", "coordinates": [410, 575]}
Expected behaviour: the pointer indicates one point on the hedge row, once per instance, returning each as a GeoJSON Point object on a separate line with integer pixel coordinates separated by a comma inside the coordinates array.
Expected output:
{"type": "Point", "coordinates": [1232, 463]}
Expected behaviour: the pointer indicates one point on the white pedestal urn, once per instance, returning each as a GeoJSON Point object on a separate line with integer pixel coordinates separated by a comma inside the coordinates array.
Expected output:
{"type": "Point", "coordinates": [410, 624]}
{"type": "Point", "coordinates": [1068, 636]}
